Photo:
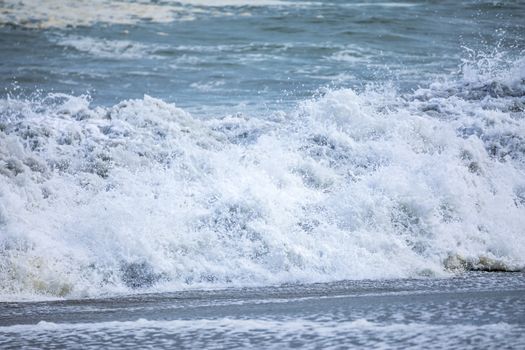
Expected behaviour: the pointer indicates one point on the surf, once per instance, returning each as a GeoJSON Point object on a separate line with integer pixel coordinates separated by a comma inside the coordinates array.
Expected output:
{"type": "Point", "coordinates": [351, 184]}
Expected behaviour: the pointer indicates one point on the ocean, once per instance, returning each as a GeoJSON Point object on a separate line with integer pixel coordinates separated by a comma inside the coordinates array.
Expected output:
{"type": "Point", "coordinates": [262, 174]}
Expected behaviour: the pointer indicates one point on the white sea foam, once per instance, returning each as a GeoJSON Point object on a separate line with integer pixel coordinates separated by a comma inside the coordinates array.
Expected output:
{"type": "Point", "coordinates": [63, 13]}
{"type": "Point", "coordinates": [350, 185]}
{"type": "Point", "coordinates": [267, 333]}
{"type": "Point", "coordinates": [118, 49]}
{"type": "Point", "coordinates": [383, 4]}
{"type": "Point", "coordinates": [130, 49]}
{"type": "Point", "coordinates": [221, 3]}
{"type": "Point", "coordinates": [207, 86]}
{"type": "Point", "coordinates": [352, 55]}
{"type": "Point", "coordinates": [60, 13]}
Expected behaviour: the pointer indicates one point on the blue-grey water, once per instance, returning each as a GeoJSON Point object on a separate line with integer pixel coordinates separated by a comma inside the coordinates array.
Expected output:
{"type": "Point", "coordinates": [264, 174]}
{"type": "Point", "coordinates": [250, 55]}
{"type": "Point", "coordinates": [472, 311]}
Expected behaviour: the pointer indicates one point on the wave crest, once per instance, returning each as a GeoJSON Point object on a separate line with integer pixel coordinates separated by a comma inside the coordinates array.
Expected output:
{"type": "Point", "coordinates": [347, 186]}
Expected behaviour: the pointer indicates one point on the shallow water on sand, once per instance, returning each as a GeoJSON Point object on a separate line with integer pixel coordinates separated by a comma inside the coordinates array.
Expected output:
{"type": "Point", "coordinates": [473, 311]}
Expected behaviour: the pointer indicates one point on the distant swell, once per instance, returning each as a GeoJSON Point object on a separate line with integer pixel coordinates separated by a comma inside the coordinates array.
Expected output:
{"type": "Point", "coordinates": [350, 185]}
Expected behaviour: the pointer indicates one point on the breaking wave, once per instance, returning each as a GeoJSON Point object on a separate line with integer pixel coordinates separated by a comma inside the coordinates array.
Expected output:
{"type": "Point", "coordinates": [349, 185]}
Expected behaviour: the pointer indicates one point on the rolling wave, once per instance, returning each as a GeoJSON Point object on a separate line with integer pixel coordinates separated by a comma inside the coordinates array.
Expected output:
{"type": "Point", "coordinates": [348, 185]}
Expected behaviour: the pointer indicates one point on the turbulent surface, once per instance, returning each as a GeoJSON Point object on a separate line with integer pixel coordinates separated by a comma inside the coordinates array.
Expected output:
{"type": "Point", "coordinates": [350, 185]}
{"type": "Point", "coordinates": [163, 145]}
{"type": "Point", "coordinates": [60, 14]}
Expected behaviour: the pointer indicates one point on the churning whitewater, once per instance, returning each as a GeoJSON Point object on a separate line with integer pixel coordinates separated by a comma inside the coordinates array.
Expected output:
{"type": "Point", "coordinates": [348, 185]}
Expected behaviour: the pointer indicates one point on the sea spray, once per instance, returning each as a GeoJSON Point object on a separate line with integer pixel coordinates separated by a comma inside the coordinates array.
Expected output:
{"type": "Point", "coordinates": [349, 185]}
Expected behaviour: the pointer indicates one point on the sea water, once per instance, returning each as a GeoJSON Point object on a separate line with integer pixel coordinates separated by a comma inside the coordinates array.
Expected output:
{"type": "Point", "coordinates": [478, 311]}
{"type": "Point", "coordinates": [171, 146]}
